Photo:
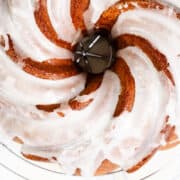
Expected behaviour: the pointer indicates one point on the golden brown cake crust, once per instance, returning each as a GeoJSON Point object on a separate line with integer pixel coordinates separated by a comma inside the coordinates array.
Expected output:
{"type": "Point", "coordinates": [126, 99]}
{"type": "Point", "coordinates": [78, 7]}
{"type": "Point", "coordinates": [44, 23]}
{"type": "Point", "coordinates": [48, 108]}
{"type": "Point", "coordinates": [52, 69]}
{"type": "Point", "coordinates": [158, 59]}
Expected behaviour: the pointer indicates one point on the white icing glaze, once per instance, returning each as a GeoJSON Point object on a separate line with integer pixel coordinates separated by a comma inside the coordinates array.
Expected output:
{"type": "Point", "coordinates": [59, 12]}
{"type": "Point", "coordinates": [94, 11]}
{"type": "Point", "coordinates": [21, 25]}
{"type": "Point", "coordinates": [148, 114]}
{"type": "Point", "coordinates": [157, 28]}
{"type": "Point", "coordinates": [83, 139]}
{"type": "Point", "coordinates": [174, 2]}
{"type": "Point", "coordinates": [22, 88]}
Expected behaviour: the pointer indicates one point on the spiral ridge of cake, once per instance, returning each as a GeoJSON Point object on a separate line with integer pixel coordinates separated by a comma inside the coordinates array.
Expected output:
{"type": "Point", "coordinates": [91, 124]}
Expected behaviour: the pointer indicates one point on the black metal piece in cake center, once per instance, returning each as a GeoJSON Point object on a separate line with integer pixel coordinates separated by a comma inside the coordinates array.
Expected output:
{"type": "Point", "coordinates": [95, 53]}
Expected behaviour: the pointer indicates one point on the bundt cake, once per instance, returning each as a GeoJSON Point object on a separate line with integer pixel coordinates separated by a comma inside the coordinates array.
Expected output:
{"type": "Point", "coordinates": [115, 113]}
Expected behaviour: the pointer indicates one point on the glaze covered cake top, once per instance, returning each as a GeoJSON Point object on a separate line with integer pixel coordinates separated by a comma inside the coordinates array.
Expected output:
{"type": "Point", "coordinates": [89, 123]}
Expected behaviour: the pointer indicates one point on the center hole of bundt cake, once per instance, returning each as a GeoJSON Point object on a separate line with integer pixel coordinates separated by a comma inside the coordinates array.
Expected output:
{"type": "Point", "coordinates": [95, 52]}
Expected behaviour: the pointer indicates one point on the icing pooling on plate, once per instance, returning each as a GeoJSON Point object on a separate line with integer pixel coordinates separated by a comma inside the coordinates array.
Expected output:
{"type": "Point", "coordinates": [83, 138]}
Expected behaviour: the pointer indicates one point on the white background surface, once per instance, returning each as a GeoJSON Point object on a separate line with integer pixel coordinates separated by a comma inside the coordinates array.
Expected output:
{"type": "Point", "coordinates": [165, 165]}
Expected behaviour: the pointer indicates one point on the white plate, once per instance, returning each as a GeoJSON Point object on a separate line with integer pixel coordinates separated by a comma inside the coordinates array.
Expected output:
{"type": "Point", "coordinates": [164, 165]}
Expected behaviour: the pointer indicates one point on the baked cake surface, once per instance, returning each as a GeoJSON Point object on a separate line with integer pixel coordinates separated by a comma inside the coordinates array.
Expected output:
{"type": "Point", "coordinates": [89, 124]}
